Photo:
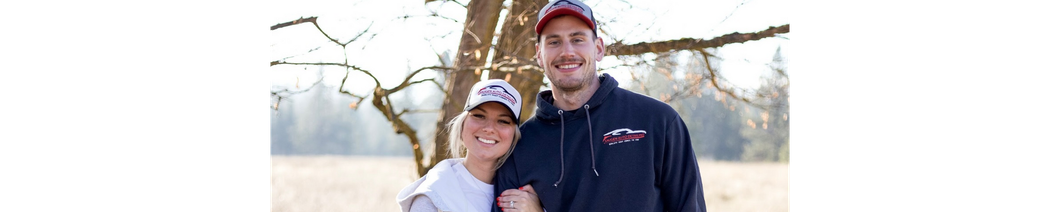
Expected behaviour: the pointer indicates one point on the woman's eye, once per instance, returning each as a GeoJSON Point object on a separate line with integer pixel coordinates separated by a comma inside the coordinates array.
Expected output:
{"type": "Point", "coordinates": [505, 122]}
{"type": "Point", "coordinates": [478, 116]}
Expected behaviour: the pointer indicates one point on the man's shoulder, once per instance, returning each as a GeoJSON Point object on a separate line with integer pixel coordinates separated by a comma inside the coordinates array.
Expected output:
{"type": "Point", "coordinates": [641, 101]}
{"type": "Point", "coordinates": [532, 122]}
{"type": "Point", "coordinates": [532, 128]}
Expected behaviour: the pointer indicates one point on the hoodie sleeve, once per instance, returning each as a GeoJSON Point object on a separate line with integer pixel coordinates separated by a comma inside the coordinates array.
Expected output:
{"type": "Point", "coordinates": [422, 203]}
{"type": "Point", "coordinates": [504, 179]}
{"type": "Point", "coordinates": [682, 188]}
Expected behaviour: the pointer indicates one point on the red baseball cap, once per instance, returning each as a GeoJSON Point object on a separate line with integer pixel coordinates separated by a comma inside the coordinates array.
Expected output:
{"type": "Point", "coordinates": [565, 7]}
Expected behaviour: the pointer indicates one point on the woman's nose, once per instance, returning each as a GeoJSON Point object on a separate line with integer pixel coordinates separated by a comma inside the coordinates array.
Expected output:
{"type": "Point", "coordinates": [489, 127]}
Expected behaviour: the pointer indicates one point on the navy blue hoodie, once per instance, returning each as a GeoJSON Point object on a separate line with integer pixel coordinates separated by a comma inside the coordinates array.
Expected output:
{"type": "Point", "coordinates": [621, 151]}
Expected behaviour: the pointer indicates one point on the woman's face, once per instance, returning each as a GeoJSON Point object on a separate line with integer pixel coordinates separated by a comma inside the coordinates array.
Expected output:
{"type": "Point", "coordinates": [488, 132]}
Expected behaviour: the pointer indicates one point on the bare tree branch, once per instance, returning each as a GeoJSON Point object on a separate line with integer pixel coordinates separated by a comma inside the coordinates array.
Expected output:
{"type": "Point", "coordinates": [727, 16]}
{"type": "Point", "coordinates": [693, 43]}
{"type": "Point", "coordinates": [288, 92]}
{"type": "Point", "coordinates": [273, 63]}
{"type": "Point", "coordinates": [280, 94]}
{"type": "Point", "coordinates": [294, 22]}
{"type": "Point", "coordinates": [417, 111]}
{"type": "Point", "coordinates": [406, 82]}
{"type": "Point", "coordinates": [358, 34]}
{"type": "Point", "coordinates": [727, 91]}
{"type": "Point", "coordinates": [314, 21]}
{"type": "Point", "coordinates": [433, 15]}
{"type": "Point", "coordinates": [446, 1]}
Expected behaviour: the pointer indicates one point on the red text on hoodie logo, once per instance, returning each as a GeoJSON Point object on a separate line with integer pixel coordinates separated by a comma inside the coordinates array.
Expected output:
{"type": "Point", "coordinates": [623, 135]}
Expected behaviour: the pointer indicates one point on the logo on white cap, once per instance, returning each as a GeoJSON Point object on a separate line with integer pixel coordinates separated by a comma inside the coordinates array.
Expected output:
{"type": "Point", "coordinates": [494, 90]}
{"type": "Point", "coordinates": [498, 91]}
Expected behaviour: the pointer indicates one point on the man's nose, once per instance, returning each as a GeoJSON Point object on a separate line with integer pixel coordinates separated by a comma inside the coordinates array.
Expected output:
{"type": "Point", "coordinates": [567, 49]}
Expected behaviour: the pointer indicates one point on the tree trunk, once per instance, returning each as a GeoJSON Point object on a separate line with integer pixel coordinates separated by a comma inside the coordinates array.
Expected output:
{"type": "Point", "coordinates": [514, 58]}
{"type": "Point", "coordinates": [481, 21]}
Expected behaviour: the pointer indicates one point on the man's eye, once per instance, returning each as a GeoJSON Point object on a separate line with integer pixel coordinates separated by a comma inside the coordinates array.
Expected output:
{"type": "Point", "coordinates": [553, 42]}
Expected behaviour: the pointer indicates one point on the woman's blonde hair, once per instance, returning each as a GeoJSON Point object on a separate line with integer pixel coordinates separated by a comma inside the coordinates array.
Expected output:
{"type": "Point", "coordinates": [456, 144]}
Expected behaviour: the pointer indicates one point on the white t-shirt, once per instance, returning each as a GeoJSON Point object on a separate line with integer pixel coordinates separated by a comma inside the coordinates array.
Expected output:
{"type": "Point", "coordinates": [455, 188]}
{"type": "Point", "coordinates": [478, 193]}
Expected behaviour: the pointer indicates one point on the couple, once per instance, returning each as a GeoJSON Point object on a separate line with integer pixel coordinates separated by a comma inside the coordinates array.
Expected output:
{"type": "Point", "coordinates": [590, 146]}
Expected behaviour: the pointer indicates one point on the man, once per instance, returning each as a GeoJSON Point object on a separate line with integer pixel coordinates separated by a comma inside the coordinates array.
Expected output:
{"type": "Point", "coordinates": [592, 146]}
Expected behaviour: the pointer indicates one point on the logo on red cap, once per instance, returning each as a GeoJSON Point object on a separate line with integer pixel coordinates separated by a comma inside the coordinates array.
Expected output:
{"type": "Point", "coordinates": [566, 4]}
{"type": "Point", "coordinates": [565, 7]}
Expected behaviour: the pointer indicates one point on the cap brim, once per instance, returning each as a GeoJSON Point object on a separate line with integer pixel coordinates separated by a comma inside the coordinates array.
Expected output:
{"type": "Point", "coordinates": [514, 114]}
{"type": "Point", "coordinates": [563, 11]}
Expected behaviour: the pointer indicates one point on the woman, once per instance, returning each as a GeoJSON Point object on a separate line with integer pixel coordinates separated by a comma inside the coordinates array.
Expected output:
{"type": "Point", "coordinates": [483, 135]}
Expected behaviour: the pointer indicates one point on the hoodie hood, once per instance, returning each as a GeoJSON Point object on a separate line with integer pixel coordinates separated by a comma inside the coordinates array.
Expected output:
{"type": "Point", "coordinates": [440, 185]}
{"type": "Point", "coordinates": [546, 111]}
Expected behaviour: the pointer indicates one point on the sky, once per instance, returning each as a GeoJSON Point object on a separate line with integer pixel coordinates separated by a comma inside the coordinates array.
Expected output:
{"type": "Point", "coordinates": [404, 44]}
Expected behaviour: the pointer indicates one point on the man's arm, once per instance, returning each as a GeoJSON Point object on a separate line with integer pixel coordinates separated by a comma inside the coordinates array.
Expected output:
{"type": "Point", "coordinates": [505, 178]}
{"type": "Point", "coordinates": [682, 186]}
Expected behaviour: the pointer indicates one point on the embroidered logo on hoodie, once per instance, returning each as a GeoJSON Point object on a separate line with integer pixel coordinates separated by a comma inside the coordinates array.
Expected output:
{"type": "Point", "coordinates": [623, 135]}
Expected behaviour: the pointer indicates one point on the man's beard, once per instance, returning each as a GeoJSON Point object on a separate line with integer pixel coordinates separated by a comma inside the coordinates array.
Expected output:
{"type": "Point", "coordinates": [574, 84]}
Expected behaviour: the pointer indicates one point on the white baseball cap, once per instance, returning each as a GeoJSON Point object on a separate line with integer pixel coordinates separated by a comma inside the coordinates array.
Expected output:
{"type": "Point", "coordinates": [495, 90]}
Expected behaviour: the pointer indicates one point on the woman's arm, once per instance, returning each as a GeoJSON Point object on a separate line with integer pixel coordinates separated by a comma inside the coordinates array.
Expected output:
{"type": "Point", "coordinates": [422, 203]}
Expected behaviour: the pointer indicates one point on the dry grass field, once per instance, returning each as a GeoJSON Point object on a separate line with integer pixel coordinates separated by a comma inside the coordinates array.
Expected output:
{"type": "Point", "coordinates": [362, 183]}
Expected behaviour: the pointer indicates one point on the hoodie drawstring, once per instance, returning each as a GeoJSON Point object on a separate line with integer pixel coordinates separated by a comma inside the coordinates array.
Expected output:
{"type": "Point", "coordinates": [592, 148]}
{"type": "Point", "coordinates": [561, 134]}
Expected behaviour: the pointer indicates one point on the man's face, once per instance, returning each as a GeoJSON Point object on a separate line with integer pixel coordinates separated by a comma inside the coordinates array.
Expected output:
{"type": "Point", "coordinates": [568, 52]}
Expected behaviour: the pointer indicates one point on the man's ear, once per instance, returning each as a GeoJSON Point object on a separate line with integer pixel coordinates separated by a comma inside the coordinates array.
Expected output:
{"type": "Point", "coordinates": [600, 49]}
{"type": "Point", "coordinates": [537, 55]}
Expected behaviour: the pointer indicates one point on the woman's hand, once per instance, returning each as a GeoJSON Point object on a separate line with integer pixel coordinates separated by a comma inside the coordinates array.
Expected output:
{"type": "Point", "coordinates": [522, 199]}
